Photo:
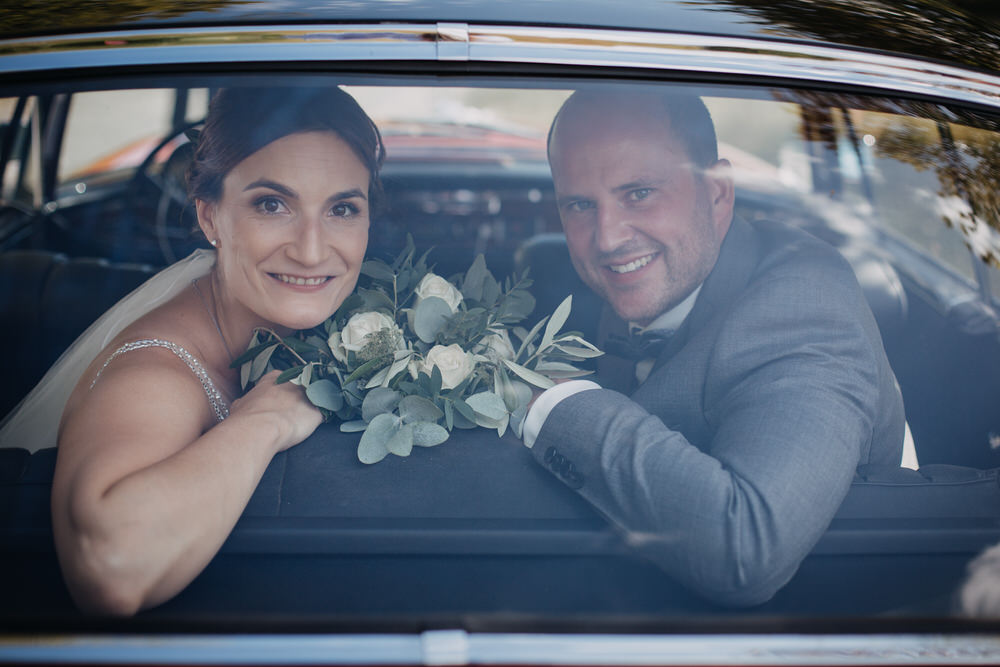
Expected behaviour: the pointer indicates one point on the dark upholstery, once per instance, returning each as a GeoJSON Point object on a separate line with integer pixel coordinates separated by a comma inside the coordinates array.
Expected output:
{"type": "Point", "coordinates": [554, 278]}
{"type": "Point", "coordinates": [47, 300]}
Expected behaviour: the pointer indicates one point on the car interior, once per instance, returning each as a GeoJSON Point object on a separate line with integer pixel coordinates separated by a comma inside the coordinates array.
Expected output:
{"type": "Point", "coordinates": [475, 528]}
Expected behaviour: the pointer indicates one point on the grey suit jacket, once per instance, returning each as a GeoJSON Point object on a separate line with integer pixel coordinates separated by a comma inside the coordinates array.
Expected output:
{"type": "Point", "coordinates": [728, 463]}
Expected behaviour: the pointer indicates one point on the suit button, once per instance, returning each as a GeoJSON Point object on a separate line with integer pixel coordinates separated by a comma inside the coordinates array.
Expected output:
{"type": "Point", "coordinates": [574, 479]}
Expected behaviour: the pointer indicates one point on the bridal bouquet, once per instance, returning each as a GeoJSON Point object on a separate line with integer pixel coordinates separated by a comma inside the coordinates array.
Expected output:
{"type": "Point", "coordinates": [411, 355]}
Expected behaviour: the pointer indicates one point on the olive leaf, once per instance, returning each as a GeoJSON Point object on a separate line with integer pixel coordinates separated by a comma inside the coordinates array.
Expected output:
{"type": "Point", "coordinates": [529, 375]}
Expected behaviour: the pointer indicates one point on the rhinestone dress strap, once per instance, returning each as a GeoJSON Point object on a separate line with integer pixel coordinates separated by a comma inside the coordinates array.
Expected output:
{"type": "Point", "coordinates": [214, 397]}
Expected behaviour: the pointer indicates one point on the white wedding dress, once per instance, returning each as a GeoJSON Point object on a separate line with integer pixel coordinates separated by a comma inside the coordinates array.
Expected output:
{"type": "Point", "coordinates": [34, 423]}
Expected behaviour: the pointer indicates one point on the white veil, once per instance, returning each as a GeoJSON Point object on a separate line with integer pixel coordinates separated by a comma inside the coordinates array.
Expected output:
{"type": "Point", "coordinates": [34, 423]}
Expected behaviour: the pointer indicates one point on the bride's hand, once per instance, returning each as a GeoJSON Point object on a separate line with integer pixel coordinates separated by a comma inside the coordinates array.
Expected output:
{"type": "Point", "coordinates": [285, 405]}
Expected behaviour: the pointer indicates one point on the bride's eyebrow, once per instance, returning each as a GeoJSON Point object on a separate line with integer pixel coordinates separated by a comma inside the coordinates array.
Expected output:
{"type": "Point", "coordinates": [277, 187]}
{"type": "Point", "coordinates": [347, 194]}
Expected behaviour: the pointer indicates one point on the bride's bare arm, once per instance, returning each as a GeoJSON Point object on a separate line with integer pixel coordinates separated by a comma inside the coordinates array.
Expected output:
{"type": "Point", "coordinates": [142, 499]}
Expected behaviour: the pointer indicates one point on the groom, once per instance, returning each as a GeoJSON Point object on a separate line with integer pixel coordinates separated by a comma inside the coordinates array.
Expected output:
{"type": "Point", "coordinates": [728, 460]}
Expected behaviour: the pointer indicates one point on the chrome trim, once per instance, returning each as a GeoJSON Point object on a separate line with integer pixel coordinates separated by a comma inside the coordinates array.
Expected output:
{"type": "Point", "coordinates": [457, 647]}
{"type": "Point", "coordinates": [668, 52]}
{"type": "Point", "coordinates": [453, 41]}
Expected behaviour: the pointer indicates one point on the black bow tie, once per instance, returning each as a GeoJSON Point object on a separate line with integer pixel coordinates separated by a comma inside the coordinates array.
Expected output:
{"type": "Point", "coordinates": [639, 347]}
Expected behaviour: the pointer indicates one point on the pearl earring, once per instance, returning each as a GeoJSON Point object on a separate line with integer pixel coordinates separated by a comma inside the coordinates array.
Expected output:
{"type": "Point", "coordinates": [215, 243]}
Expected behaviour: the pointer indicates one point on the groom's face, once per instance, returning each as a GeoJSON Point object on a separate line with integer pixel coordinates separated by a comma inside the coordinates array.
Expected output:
{"type": "Point", "coordinates": [642, 223]}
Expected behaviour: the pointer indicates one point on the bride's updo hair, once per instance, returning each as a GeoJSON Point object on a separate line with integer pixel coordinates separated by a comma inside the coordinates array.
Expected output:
{"type": "Point", "coordinates": [241, 121]}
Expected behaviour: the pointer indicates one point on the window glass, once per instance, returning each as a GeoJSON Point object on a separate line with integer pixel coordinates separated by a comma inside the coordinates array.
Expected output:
{"type": "Point", "coordinates": [971, 183]}
{"type": "Point", "coordinates": [895, 199]}
{"type": "Point", "coordinates": [8, 106]}
{"type": "Point", "coordinates": [113, 129]}
{"type": "Point", "coordinates": [20, 177]}
{"type": "Point", "coordinates": [197, 104]}
{"type": "Point", "coordinates": [907, 164]}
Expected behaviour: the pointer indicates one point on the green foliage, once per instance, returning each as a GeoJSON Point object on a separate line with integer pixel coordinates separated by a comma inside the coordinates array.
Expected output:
{"type": "Point", "coordinates": [430, 366]}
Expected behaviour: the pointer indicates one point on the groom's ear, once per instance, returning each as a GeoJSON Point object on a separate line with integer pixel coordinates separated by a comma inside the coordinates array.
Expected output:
{"type": "Point", "coordinates": [206, 218]}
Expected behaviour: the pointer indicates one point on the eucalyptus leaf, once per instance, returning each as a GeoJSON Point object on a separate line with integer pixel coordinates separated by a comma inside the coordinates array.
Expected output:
{"type": "Point", "coordinates": [325, 394]}
{"type": "Point", "coordinates": [372, 447]}
{"type": "Point", "coordinates": [517, 420]}
{"type": "Point", "coordinates": [418, 409]}
{"type": "Point", "coordinates": [355, 426]}
{"type": "Point", "coordinates": [487, 404]}
{"type": "Point", "coordinates": [379, 401]}
{"type": "Point", "coordinates": [353, 394]}
{"type": "Point", "coordinates": [529, 375]}
{"type": "Point", "coordinates": [429, 317]}
{"type": "Point", "coordinates": [401, 444]}
{"type": "Point", "coordinates": [515, 394]}
{"type": "Point", "coordinates": [464, 422]}
{"type": "Point", "coordinates": [486, 422]}
{"type": "Point", "coordinates": [502, 426]}
{"type": "Point", "coordinates": [427, 434]}
{"type": "Point", "coordinates": [411, 388]}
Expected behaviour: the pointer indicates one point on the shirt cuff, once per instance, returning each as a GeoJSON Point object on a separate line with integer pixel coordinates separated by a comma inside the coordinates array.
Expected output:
{"type": "Point", "coordinates": [545, 403]}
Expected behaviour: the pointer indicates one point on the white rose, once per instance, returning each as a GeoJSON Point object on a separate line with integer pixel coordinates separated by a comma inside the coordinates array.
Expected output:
{"type": "Point", "coordinates": [434, 285]}
{"type": "Point", "coordinates": [360, 326]}
{"type": "Point", "coordinates": [497, 346]}
{"type": "Point", "coordinates": [454, 363]}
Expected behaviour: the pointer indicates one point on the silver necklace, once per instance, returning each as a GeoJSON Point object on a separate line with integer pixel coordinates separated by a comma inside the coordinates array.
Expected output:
{"type": "Point", "coordinates": [214, 319]}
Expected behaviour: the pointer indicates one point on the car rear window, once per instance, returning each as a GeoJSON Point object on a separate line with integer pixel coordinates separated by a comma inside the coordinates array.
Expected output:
{"type": "Point", "coordinates": [900, 191]}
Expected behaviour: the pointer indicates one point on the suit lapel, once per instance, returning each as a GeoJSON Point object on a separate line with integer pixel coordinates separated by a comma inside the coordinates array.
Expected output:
{"type": "Point", "coordinates": [738, 259]}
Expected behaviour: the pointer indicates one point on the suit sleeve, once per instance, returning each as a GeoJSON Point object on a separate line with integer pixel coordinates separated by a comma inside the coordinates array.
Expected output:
{"type": "Point", "coordinates": [789, 393]}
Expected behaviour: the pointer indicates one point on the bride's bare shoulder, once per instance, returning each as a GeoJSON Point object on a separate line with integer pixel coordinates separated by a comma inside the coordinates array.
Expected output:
{"type": "Point", "coordinates": [164, 336]}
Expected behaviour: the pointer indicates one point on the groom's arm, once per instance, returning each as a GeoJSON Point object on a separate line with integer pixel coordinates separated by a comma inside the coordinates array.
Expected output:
{"type": "Point", "coordinates": [789, 395]}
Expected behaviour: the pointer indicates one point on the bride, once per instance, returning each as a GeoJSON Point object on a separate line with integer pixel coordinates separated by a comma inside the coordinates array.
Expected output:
{"type": "Point", "coordinates": [158, 452]}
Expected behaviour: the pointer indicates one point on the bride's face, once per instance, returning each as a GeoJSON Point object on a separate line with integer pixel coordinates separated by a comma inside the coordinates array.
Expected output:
{"type": "Point", "coordinates": [291, 228]}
